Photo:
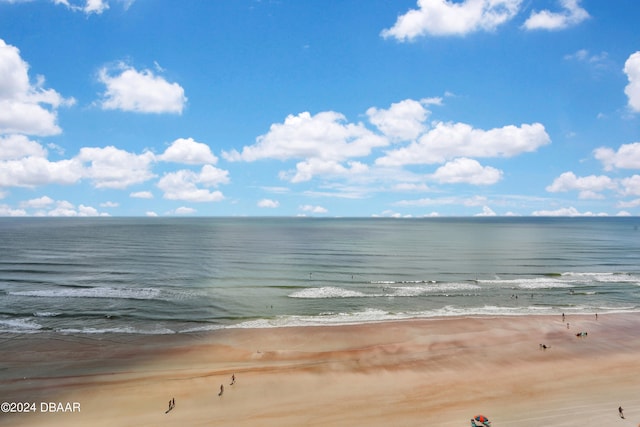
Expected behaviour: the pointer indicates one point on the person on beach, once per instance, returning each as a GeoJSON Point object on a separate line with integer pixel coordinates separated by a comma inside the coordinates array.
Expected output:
{"type": "Point", "coordinates": [172, 403]}
{"type": "Point", "coordinates": [221, 390]}
{"type": "Point", "coordinates": [233, 379]}
{"type": "Point", "coordinates": [620, 412]}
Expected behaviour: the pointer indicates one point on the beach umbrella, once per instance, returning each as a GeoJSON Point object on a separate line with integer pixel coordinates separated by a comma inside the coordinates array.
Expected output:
{"type": "Point", "coordinates": [480, 420]}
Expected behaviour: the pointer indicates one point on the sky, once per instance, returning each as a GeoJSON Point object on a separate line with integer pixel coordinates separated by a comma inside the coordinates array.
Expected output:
{"type": "Point", "coordinates": [333, 108]}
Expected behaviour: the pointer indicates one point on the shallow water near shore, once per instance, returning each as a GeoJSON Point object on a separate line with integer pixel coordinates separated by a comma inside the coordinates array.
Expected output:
{"type": "Point", "coordinates": [177, 275]}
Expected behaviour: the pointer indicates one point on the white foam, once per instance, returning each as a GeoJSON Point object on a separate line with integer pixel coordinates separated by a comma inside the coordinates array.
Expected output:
{"type": "Point", "coordinates": [23, 325]}
{"type": "Point", "coordinates": [99, 292]}
{"type": "Point", "coordinates": [120, 330]}
{"type": "Point", "coordinates": [530, 283]}
{"type": "Point", "coordinates": [602, 277]}
{"type": "Point", "coordinates": [46, 314]}
{"type": "Point", "coordinates": [327, 292]}
{"type": "Point", "coordinates": [410, 291]}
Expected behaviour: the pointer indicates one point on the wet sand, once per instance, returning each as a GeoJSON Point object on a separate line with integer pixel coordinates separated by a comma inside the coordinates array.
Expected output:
{"type": "Point", "coordinates": [433, 372]}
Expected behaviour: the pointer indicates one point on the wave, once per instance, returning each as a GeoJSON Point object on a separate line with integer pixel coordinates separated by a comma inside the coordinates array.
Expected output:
{"type": "Point", "coordinates": [426, 288]}
{"type": "Point", "coordinates": [117, 330]}
{"type": "Point", "coordinates": [529, 283]}
{"type": "Point", "coordinates": [19, 325]}
{"type": "Point", "coordinates": [99, 292]}
{"type": "Point", "coordinates": [328, 292]}
{"type": "Point", "coordinates": [372, 315]}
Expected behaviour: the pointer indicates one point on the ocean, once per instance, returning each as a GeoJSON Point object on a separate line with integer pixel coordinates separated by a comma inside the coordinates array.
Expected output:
{"type": "Point", "coordinates": [181, 275]}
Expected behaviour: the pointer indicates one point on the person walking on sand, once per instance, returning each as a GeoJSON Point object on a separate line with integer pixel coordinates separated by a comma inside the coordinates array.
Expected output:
{"type": "Point", "coordinates": [221, 390]}
{"type": "Point", "coordinates": [620, 412]}
{"type": "Point", "coordinates": [233, 379]}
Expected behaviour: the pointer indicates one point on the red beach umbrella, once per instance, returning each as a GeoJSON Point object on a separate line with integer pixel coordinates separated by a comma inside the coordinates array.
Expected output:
{"type": "Point", "coordinates": [480, 420]}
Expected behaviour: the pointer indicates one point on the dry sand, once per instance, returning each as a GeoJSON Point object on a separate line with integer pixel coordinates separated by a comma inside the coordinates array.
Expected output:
{"type": "Point", "coordinates": [435, 372]}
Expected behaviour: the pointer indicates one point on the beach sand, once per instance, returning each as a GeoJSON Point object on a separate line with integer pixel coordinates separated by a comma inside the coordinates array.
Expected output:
{"type": "Point", "coordinates": [433, 372]}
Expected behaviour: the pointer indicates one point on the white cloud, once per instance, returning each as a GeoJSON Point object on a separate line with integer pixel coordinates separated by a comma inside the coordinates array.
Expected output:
{"type": "Point", "coordinates": [572, 14]}
{"type": "Point", "coordinates": [632, 90]}
{"type": "Point", "coordinates": [111, 167]}
{"type": "Point", "coordinates": [183, 184]}
{"type": "Point", "coordinates": [486, 211]}
{"type": "Point", "coordinates": [441, 201]}
{"type": "Point", "coordinates": [570, 211]}
{"type": "Point", "coordinates": [141, 195]}
{"type": "Point", "coordinates": [268, 203]}
{"type": "Point", "coordinates": [68, 209]}
{"type": "Point", "coordinates": [307, 169]}
{"type": "Point", "coordinates": [445, 18]}
{"type": "Point", "coordinates": [183, 210]}
{"type": "Point", "coordinates": [450, 140]}
{"type": "Point", "coordinates": [631, 186]}
{"type": "Point", "coordinates": [13, 147]}
{"type": "Point", "coordinates": [189, 152]}
{"type": "Point", "coordinates": [464, 170]}
{"type": "Point", "coordinates": [584, 55]}
{"type": "Point", "coordinates": [627, 156]}
{"type": "Point", "coordinates": [109, 204]}
{"type": "Point", "coordinates": [588, 186]}
{"type": "Point", "coordinates": [630, 204]}
{"type": "Point", "coordinates": [34, 171]}
{"type": "Point", "coordinates": [23, 104]}
{"type": "Point", "coordinates": [323, 136]}
{"type": "Point", "coordinates": [403, 121]}
{"type": "Point", "coordinates": [38, 203]}
{"type": "Point", "coordinates": [140, 91]}
{"type": "Point", "coordinates": [151, 214]}
{"type": "Point", "coordinates": [313, 209]}
{"type": "Point", "coordinates": [87, 6]}
{"type": "Point", "coordinates": [6, 210]}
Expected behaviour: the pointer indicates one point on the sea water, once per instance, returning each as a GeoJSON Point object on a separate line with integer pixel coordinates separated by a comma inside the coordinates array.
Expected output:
{"type": "Point", "coordinates": [178, 275]}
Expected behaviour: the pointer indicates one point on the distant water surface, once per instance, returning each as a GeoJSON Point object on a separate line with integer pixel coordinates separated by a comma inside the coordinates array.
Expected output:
{"type": "Point", "coordinates": [172, 275]}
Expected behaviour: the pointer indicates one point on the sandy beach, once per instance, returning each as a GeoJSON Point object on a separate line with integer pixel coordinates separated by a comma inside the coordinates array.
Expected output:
{"type": "Point", "coordinates": [433, 372]}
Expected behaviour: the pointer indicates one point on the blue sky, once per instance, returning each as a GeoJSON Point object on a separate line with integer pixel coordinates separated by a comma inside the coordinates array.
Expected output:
{"type": "Point", "coordinates": [319, 108]}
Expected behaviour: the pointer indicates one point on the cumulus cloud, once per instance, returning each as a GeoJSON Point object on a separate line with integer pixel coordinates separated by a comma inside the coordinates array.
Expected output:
{"type": "Point", "coordinates": [313, 209]}
{"type": "Point", "coordinates": [403, 121]}
{"type": "Point", "coordinates": [38, 203]}
{"type": "Point", "coordinates": [571, 14]}
{"type": "Point", "coordinates": [183, 184]}
{"type": "Point", "coordinates": [450, 140]}
{"type": "Point", "coordinates": [632, 90]}
{"type": "Point", "coordinates": [268, 203]}
{"type": "Point", "coordinates": [189, 152]}
{"type": "Point", "coordinates": [34, 171]}
{"type": "Point", "coordinates": [464, 170]}
{"type": "Point", "coordinates": [631, 186]}
{"type": "Point", "coordinates": [307, 169]}
{"type": "Point", "coordinates": [65, 208]}
{"type": "Point", "coordinates": [570, 211]}
{"type": "Point", "coordinates": [6, 210]}
{"type": "Point", "coordinates": [324, 136]}
{"type": "Point", "coordinates": [111, 167]}
{"type": "Point", "coordinates": [14, 147]}
{"type": "Point", "coordinates": [26, 107]}
{"type": "Point", "coordinates": [486, 211]}
{"type": "Point", "coordinates": [627, 156]}
{"type": "Point", "coordinates": [445, 18]}
{"type": "Point", "coordinates": [86, 6]}
{"type": "Point", "coordinates": [140, 91]}
{"type": "Point", "coordinates": [589, 187]}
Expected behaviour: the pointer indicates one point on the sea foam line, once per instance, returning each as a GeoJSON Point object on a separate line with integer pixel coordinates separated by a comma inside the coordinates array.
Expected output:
{"type": "Point", "coordinates": [99, 292]}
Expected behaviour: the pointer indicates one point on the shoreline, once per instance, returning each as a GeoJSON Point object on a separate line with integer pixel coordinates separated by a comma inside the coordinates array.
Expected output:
{"type": "Point", "coordinates": [413, 372]}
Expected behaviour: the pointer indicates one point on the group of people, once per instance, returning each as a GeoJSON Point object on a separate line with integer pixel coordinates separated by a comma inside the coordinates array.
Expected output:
{"type": "Point", "coordinates": [172, 402]}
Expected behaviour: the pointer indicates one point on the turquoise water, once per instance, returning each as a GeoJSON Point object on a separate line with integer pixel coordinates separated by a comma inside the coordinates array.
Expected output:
{"type": "Point", "coordinates": [172, 275]}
